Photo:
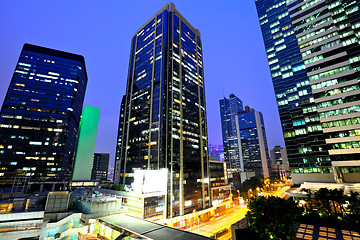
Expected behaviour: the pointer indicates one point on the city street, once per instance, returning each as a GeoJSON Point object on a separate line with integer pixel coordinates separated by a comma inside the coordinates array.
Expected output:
{"type": "Point", "coordinates": [221, 222]}
{"type": "Point", "coordinates": [226, 220]}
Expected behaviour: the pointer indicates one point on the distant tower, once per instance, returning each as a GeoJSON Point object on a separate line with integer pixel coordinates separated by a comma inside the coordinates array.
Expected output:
{"type": "Point", "coordinates": [229, 109]}
{"type": "Point", "coordinates": [163, 115]}
{"type": "Point", "coordinates": [40, 116]}
{"type": "Point", "coordinates": [279, 162]}
{"type": "Point", "coordinates": [100, 166]}
{"type": "Point", "coordinates": [251, 137]}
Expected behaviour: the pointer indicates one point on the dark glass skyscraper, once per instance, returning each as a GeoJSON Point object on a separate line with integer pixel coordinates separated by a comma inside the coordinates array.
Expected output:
{"type": "Point", "coordinates": [163, 115]}
{"type": "Point", "coordinates": [229, 109]}
{"type": "Point", "coordinates": [100, 166]}
{"type": "Point", "coordinates": [252, 142]}
{"type": "Point", "coordinates": [304, 139]}
{"type": "Point", "coordinates": [40, 115]}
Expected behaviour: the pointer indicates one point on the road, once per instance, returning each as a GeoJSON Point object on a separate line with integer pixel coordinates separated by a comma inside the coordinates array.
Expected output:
{"type": "Point", "coordinates": [225, 221]}
{"type": "Point", "coordinates": [221, 222]}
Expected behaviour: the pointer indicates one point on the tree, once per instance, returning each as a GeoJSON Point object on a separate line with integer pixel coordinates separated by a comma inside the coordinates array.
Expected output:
{"type": "Point", "coordinates": [337, 196]}
{"type": "Point", "coordinates": [273, 217]}
{"type": "Point", "coordinates": [57, 235]}
{"type": "Point", "coordinates": [354, 208]}
{"type": "Point", "coordinates": [252, 183]}
{"type": "Point", "coordinates": [41, 202]}
{"type": "Point", "coordinates": [323, 197]}
{"type": "Point", "coordinates": [309, 207]}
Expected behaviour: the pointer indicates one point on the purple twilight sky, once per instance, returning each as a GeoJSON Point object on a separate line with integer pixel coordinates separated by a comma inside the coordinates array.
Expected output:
{"type": "Point", "coordinates": [234, 56]}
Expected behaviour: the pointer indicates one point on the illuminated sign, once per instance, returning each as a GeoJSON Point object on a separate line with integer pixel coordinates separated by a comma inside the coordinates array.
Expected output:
{"type": "Point", "coordinates": [84, 184]}
{"type": "Point", "coordinates": [148, 181]}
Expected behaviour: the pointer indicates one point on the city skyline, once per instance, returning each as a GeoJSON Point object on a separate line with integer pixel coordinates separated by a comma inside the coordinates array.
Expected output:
{"type": "Point", "coordinates": [86, 35]}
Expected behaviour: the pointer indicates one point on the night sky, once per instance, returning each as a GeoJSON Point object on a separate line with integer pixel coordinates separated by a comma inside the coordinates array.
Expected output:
{"type": "Point", "coordinates": [234, 55]}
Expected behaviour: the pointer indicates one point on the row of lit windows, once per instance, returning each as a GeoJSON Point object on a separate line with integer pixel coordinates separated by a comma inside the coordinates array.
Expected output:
{"type": "Point", "coordinates": [313, 25]}
{"type": "Point", "coordinates": [330, 73]}
{"type": "Point", "coordinates": [311, 170]}
{"type": "Point", "coordinates": [338, 101]}
{"type": "Point", "coordinates": [347, 145]}
{"type": "Point", "coordinates": [323, 47]}
{"type": "Point", "coordinates": [348, 133]}
{"type": "Point", "coordinates": [311, 34]}
{"type": "Point", "coordinates": [324, 84]}
{"type": "Point", "coordinates": [337, 91]}
{"type": "Point", "coordinates": [340, 123]}
{"type": "Point", "coordinates": [30, 128]}
{"type": "Point", "coordinates": [350, 169]}
{"type": "Point", "coordinates": [342, 111]}
{"type": "Point", "coordinates": [303, 131]}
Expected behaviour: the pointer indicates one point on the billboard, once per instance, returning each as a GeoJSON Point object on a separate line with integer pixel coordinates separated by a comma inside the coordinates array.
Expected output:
{"type": "Point", "coordinates": [149, 181]}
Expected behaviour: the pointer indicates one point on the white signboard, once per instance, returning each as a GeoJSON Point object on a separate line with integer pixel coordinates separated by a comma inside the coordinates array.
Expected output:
{"type": "Point", "coordinates": [149, 181]}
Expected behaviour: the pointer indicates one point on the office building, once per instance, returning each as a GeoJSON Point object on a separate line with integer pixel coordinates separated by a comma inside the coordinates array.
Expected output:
{"type": "Point", "coordinates": [40, 116]}
{"type": "Point", "coordinates": [216, 151]}
{"type": "Point", "coordinates": [279, 163]}
{"type": "Point", "coordinates": [244, 138]}
{"type": "Point", "coordinates": [253, 149]}
{"type": "Point", "coordinates": [328, 35]}
{"type": "Point", "coordinates": [163, 115]}
{"type": "Point", "coordinates": [100, 166]}
{"type": "Point", "coordinates": [86, 144]}
{"type": "Point", "coordinates": [220, 189]}
{"type": "Point", "coordinates": [229, 109]}
{"type": "Point", "coordinates": [304, 139]}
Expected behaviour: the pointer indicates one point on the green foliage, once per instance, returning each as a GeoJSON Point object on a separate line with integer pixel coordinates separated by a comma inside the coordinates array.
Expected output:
{"type": "Point", "coordinates": [57, 235]}
{"type": "Point", "coordinates": [41, 202]}
{"type": "Point", "coordinates": [272, 217]}
{"type": "Point", "coordinates": [333, 204]}
{"type": "Point", "coordinates": [117, 187]}
{"type": "Point", "coordinates": [251, 183]}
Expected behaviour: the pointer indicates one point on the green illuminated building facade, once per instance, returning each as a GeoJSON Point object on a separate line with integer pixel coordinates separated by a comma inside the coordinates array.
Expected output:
{"type": "Point", "coordinates": [86, 144]}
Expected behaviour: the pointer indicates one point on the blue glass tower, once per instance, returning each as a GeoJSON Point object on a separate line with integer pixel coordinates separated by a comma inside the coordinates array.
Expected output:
{"type": "Point", "coordinates": [40, 115]}
{"type": "Point", "coordinates": [253, 149]}
{"type": "Point", "coordinates": [163, 116]}
{"type": "Point", "coordinates": [229, 109]}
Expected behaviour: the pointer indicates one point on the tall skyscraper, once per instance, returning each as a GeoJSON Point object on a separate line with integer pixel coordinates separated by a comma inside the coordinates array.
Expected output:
{"type": "Point", "coordinates": [244, 138]}
{"type": "Point", "coordinates": [328, 34]}
{"type": "Point", "coordinates": [253, 149]}
{"type": "Point", "coordinates": [163, 115]}
{"type": "Point", "coordinates": [229, 109]}
{"type": "Point", "coordinates": [40, 115]}
{"type": "Point", "coordinates": [100, 166]}
{"type": "Point", "coordinates": [313, 50]}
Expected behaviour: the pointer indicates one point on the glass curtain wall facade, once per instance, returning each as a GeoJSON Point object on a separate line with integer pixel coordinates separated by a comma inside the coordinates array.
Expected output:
{"type": "Point", "coordinates": [302, 129]}
{"type": "Point", "coordinates": [229, 109]}
{"type": "Point", "coordinates": [328, 34]}
{"type": "Point", "coordinates": [254, 154]}
{"type": "Point", "coordinates": [100, 166]}
{"type": "Point", "coordinates": [163, 114]}
{"type": "Point", "coordinates": [40, 116]}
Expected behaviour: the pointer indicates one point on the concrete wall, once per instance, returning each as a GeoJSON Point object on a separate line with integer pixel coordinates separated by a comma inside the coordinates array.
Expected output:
{"type": "Point", "coordinates": [299, 178]}
{"type": "Point", "coordinates": [351, 177]}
